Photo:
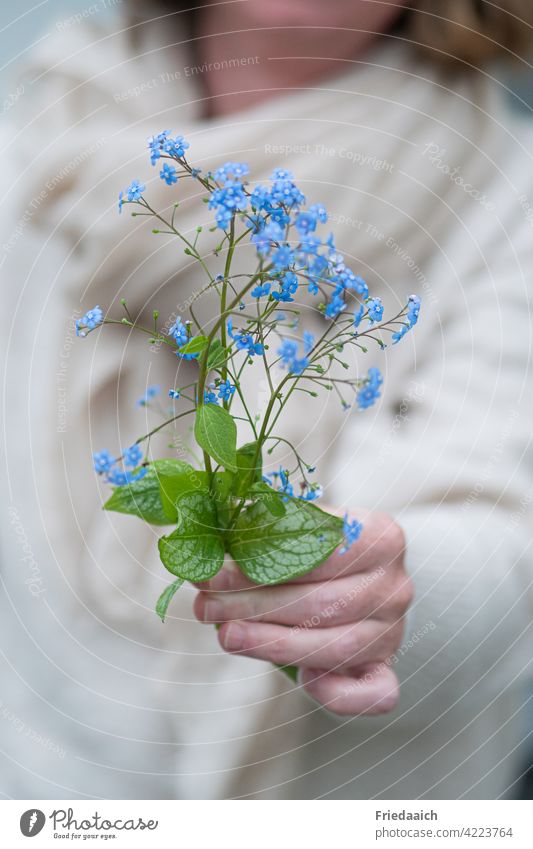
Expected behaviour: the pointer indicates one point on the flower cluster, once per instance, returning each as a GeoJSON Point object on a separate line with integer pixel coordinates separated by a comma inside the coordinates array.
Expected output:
{"type": "Point", "coordinates": [219, 390]}
{"type": "Point", "coordinates": [164, 145]}
{"type": "Point", "coordinates": [370, 389]}
{"type": "Point", "coordinates": [352, 531]}
{"type": "Point", "coordinates": [116, 474]}
{"type": "Point", "coordinates": [279, 481]}
{"type": "Point", "coordinates": [296, 275]}
{"type": "Point", "coordinates": [289, 353]}
{"type": "Point", "coordinates": [149, 395]}
{"type": "Point", "coordinates": [413, 311]}
{"type": "Point", "coordinates": [90, 320]}
{"type": "Point", "coordinates": [245, 341]}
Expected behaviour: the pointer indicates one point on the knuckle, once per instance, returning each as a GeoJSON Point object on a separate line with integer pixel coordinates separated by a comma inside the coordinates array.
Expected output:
{"type": "Point", "coordinates": [278, 650]}
{"type": "Point", "coordinates": [402, 596]}
{"type": "Point", "coordinates": [407, 592]}
{"type": "Point", "coordinates": [395, 637]}
{"type": "Point", "coordinates": [388, 701]}
{"type": "Point", "coordinates": [394, 537]}
{"type": "Point", "coordinates": [348, 646]}
{"type": "Point", "coordinates": [391, 537]}
{"type": "Point", "coordinates": [324, 603]}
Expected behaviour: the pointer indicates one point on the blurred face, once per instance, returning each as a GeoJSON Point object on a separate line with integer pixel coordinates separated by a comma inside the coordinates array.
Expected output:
{"type": "Point", "coordinates": [371, 14]}
{"type": "Point", "coordinates": [295, 42]}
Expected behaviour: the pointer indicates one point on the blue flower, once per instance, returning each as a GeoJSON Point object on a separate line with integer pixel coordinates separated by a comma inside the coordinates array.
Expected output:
{"type": "Point", "coordinates": [245, 341]}
{"type": "Point", "coordinates": [285, 486]}
{"type": "Point", "coordinates": [319, 211]}
{"type": "Point", "coordinates": [281, 174]}
{"type": "Point", "coordinates": [121, 478]}
{"type": "Point", "coordinates": [266, 238]}
{"type": "Point", "coordinates": [118, 477]}
{"type": "Point", "coordinates": [176, 146]}
{"type": "Point", "coordinates": [210, 397]}
{"type": "Point", "coordinates": [169, 174]}
{"type": "Point", "coordinates": [89, 321]}
{"type": "Point", "coordinates": [352, 532]}
{"type": "Point", "coordinates": [155, 145]}
{"type": "Point", "coordinates": [163, 143]}
{"type": "Point", "coordinates": [309, 341]}
{"type": "Point", "coordinates": [413, 309]}
{"type": "Point", "coordinates": [335, 306]}
{"type": "Point", "coordinates": [173, 393]}
{"type": "Point", "coordinates": [179, 331]}
{"type": "Point", "coordinates": [121, 201]}
{"type": "Point", "coordinates": [307, 220]}
{"type": "Point", "coordinates": [103, 461]}
{"type": "Point", "coordinates": [132, 456]}
{"type": "Point", "coordinates": [370, 390]}
{"type": "Point", "coordinates": [135, 190]}
{"type": "Point", "coordinates": [288, 354]}
{"type": "Point", "coordinates": [261, 291]}
{"type": "Point", "coordinates": [309, 245]}
{"type": "Point", "coordinates": [228, 200]}
{"type": "Point", "coordinates": [150, 393]}
{"type": "Point", "coordinates": [358, 316]}
{"type": "Point", "coordinates": [231, 169]}
{"type": "Point", "coordinates": [374, 376]}
{"type": "Point", "coordinates": [288, 287]}
{"type": "Point", "coordinates": [345, 278]}
{"type": "Point", "coordinates": [411, 318]}
{"type": "Point", "coordinates": [288, 351]}
{"type": "Point", "coordinates": [225, 390]}
{"type": "Point", "coordinates": [311, 493]}
{"type": "Point", "coordinates": [283, 257]}
{"type": "Point", "coordinates": [284, 190]}
{"type": "Point", "coordinates": [375, 309]}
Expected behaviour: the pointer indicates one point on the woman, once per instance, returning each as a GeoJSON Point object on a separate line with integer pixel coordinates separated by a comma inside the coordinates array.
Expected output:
{"type": "Point", "coordinates": [427, 182]}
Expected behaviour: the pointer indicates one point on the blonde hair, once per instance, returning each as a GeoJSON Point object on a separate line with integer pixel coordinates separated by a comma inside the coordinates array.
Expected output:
{"type": "Point", "coordinates": [471, 31]}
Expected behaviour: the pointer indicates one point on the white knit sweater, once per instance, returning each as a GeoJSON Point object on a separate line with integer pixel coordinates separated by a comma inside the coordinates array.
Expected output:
{"type": "Point", "coordinates": [427, 181]}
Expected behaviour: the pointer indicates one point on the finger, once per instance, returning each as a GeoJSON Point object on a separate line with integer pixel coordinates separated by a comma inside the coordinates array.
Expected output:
{"type": "Point", "coordinates": [339, 648]}
{"type": "Point", "coordinates": [310, 605]}
{"type": "Point", "coordinates": [373, 690]}
{"type": "Point", "coordinates": [229, 579]}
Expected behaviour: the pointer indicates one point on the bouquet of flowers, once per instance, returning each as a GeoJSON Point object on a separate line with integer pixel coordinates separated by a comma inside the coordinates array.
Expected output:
{"type": "Point", "coordinates": [267, 521]}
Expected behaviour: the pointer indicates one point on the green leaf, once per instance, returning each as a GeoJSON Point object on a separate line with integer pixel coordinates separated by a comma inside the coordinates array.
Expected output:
{"type": "Point", "coordinates": [171, 487]}
{"type": "Point", "coordinates": [195, 345]}
{"type": "Point", "coordinates": [271, 550]}
{"type": "Point", "coordinates": [222, 483]}
{"type": "Point", "coordinates": [249, 469]}
{"type": "Point", "coordinates": [217, 355]}
{"type": "Point", "coordinates": [290, 671]}
{"type": "Point", "coordinates": [166, 597]}
{"type": "Point", "coordinates": [216, 433]}
{"type": "Point", "coordinates": [273, 501]}
{"type": "Point", "coordinates": [195, 550]}
{"type": "Point", "coordinates": [142, 498]}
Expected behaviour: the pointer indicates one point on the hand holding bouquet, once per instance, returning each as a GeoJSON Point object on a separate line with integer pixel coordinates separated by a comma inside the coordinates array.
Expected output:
{"type": "Point", "coordinates": [266, 520]}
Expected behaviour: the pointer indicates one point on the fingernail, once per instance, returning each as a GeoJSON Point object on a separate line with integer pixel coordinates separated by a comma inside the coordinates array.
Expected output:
{"type": "Point", "coordinates": [213, 611]}
{"type": "Point", "coordinates": [234, 637]}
